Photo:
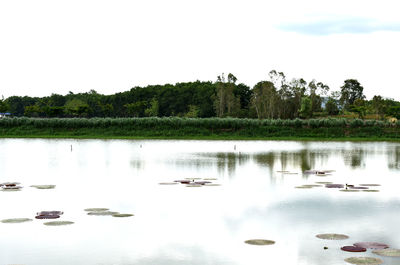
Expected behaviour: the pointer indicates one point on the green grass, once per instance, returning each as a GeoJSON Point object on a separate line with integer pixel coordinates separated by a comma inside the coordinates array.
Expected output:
{"type": "Point", "coordinates": [210, 129]}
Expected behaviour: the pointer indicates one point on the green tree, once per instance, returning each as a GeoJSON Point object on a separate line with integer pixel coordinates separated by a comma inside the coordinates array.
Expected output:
{"type": "Point", "coordinates": [264, 100]}
{"type": "Point", "coordinates": [152, 111]}
{"type": "Point", "coordinates": [76, 108]}
{"type": "Point", "coordinates": [3, 105]}
{"type": "Point", "coordinates": [379, 106]}
{"type": "Point", "coordinates": [306, 107]}
{"type": "Point", "coordinates": [331, 107]}
{"type": "Point", "coordinates": [351, 91]}
{"type": "Point", "coordinates": [226, 104]}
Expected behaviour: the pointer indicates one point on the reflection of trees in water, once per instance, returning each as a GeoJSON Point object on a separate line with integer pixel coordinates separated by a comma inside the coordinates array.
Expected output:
{"type": "Point", "coordinates": [137, 164]}
{"type": "Point", "coordinates": [229, 161]}
{"type": "Point", "coordinates": [354, 158]}
{"type": "Point", "coordinates": [305, 159]}
{"type": "Point", "coordinates": [394, 158]}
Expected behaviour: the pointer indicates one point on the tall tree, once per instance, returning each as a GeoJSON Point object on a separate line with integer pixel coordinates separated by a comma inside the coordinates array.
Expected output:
{"type": "Point", "coordinates": [350, 92]}
{"type": "Point", "coordinates": [265, 99]}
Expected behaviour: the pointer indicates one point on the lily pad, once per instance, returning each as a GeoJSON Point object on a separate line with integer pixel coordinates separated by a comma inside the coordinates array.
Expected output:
{"type": "Point", "coordinates": [310, 172]}
{"type": "Point", "coordinates": [259, 242]}
{"type": "Point", "coordinates": [353, 249]}
{"type": "Point", "coordinates": [212, 184]}
{"type": "Point", "coordinates": [202, 182]}
{"type": "Point", "coordinates": [43, 187]}
{"type": "Point", "coordinates": [168, 183]}
{"type": "Point", "coordinates": [332, 236]}
{"type": "Point", "coordinates": [192, 178]}
{"type": "Point", "coordinates": [359, 188]}
{"type": "Point", "coordinates": [15, 220]}
{"type": "Point", "coordinates": [122, 215]}
{"type": "Point", "coordinates": [193, 185]}
{"type": "Point", "coordinates": [210, 178]}
{"type": "Point", "coordinates": [389, 252]}
{"type": "Point", "coordinates": [312, 185]}
{"type": "Point", "coordinates": [337, 186]}
{"type": "Point", "coordinates": [371, 245]}
{"type": "Point", "coordinates": [370, 185]}
{"type": "Point", "coordinates": [364, 260]}
{"type": "Point", "coordinates": [349, 190]}
{"type": "Point", "coordinates": [105, 213]}
{"type": "Point", "coordinates": [50, 213]}
{"type": "Point", "coordinates": [47, 216]}
{"type": "Point", "coordinates": [9, 184]}
{"type": "Point", "coordinates": [58, 223]}
{"type": "Point", "coordinates": [303, 187]}
{"type": "Point", "coordinates": [371, 190]}
{"type": "Point", "coordinates": [96, 209]}
{"type": "Point", "coordinates": [185, 181]}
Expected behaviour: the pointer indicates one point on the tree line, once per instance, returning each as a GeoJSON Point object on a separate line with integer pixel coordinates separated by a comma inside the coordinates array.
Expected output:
{"type": "Point", "coordinates": [276, 98]}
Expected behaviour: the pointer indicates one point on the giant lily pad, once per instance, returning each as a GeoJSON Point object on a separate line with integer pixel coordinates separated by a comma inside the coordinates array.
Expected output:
{"type": "Point", "coordinates": [202, 182]}
{"type": "Point", "coordinates": [359, 188]}
{"type": "Point", "coordinates": [312, 185]}
{"type": "Point", "coordinates": [364, 260]}
{"type": "Point", "coordinates": [47, 216]}
{"type": "Point", "coordinates": [58, 223]}
{"type": "Point", "coordinates": [212, 184]}
{"type": "Point", "coordinates": [349, 190]}
{"type": "Point", "coordinates": [370, 190]}
{"type": "Point", "coordinates": [210, 178]}
{"type": "Point", "coordinates": [193, 185]}
{"type": "Point", "coordinates": [337, 186]}
{"type": "Point", "coordinates": [50, 213]}
{"type": "Point", "coordinates": [332, 236]}
{"type": "Point", "coordinates": [168, 183]}
{"type": "Point", "coordinates": [303, 187]}
{"type": "Point", "coordinates": [105, 213]}
{"type": "Point", "coordinates": [43, 187]}
{"type": "Point", "coordinates": [259, 242]}
{"type": "Point", "coordinates": [96, 209]}
{"type": "Point", "coordinates": [353, 249]}
{"type": "Point", "coordinates": [122, 215]}
{"type": "Point", "coordinates": [389, 252]}
{"type": "Point", "coordinates": [371, 245]}
{"type": "Point", "coordinates": [15, 220]}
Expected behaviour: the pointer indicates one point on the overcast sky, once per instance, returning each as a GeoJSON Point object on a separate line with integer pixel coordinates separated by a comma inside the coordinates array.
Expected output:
{"type": "Point", "coordinates": [50, 46]}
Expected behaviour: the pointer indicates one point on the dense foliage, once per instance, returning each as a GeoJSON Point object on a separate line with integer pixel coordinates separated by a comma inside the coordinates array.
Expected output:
{"type": "Point", "coordinates": [276, 98]}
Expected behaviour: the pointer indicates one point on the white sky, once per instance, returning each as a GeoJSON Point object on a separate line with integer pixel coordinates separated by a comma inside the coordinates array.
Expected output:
{"type": "Point", "coordinates": [51, 46]}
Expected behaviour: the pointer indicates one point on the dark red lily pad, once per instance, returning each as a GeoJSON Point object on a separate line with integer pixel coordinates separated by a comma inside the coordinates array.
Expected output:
{"type": "Point", "coordinates": [50, 216]}
{"type": "Point", "coordinates": [371, 245]}
{"type": "Point", "coordinates": [337, 186]}
{"type": "Point", "coordinates": [50, 213]}
{"type": "Point", "coordinates": [183, 181]}
{"type": "Point", "coordinates": [360, 188]}
{"type": "Point", "coordinates": [353, 249]}
{"type": "Point", "coordinates": [202, 182]}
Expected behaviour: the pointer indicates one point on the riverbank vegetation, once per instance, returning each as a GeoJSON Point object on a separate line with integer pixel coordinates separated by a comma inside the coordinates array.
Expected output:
{"type": "Point", "coordinates": [200, 128]}
{"type": "Point", "coordinates": [275, 98]}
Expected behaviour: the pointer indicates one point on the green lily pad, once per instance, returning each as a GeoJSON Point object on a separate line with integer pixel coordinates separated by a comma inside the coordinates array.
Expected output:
{"type": "Point", "coordinates": [303, 187]}
{"type": "Point", "coordinates": [122, 215]}
{"type": "Point", "coordinates": [96, 209]}
{"type": "Point", "coordinates": [15, 220]}
{"type": "Point", "coordinates": [370, 190]}
{"type": "Point", "coordinates": [212, 184]}
{"type": "Point", "coordinates": [332, 236]}
{"type": "Point", "coordinates": [210, 178]}
{"type": "Point", "coordinates": [105, 213]}
{"type": "Point", "coordinates": [43, 187]}
{"type": "Point", "coordinates": [349, 190]}
{"type": "Point", "coordinates": [259, 242]}
{"type": "Point", "coordinates": [389, 252]}
{"type": "Point", "coordinates": [58, 223]}
{"type": "Point", "coordinates": [168, 183]}
{"type": "Point", "coordinates": [193, 185]}
{"type": "Point", "coordinates": [364, 260]}
{"type": "Point", "coordinates": [312, 185]}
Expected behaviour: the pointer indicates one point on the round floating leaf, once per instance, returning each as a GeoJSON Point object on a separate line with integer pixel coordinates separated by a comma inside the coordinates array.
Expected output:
{"type": "Point", "coordinates": [328, 170]}
{"type": "Point", "coordinates": [210, 179]}
{"type": "Point", "coordinates": [303, 187]}
{"type": "Point", "coordinates": [359, 188]}
{"type": "Point", "coordinates": [337, 186]}
{"type": "Point", "coordinates": [192, 178]}
{"type": "Point", "coordinates": [105, 213]}
{"type": "Point", "coordinates": [389, 252]}
{"type": "Point", "coordinates": [7, 190]}
{"type": "Point", "coordinates": [312, 185]}
{"type": "Point", "coordinates": [372, 245]}
{"type": "Point", "coordinates": [371, 190]}
{"type": "Point", "coordinates": [202, 182]}
{"type": "Point", "coordinates": [349, 190]}
{"type": "Point", "coordinates": [353, 249]}
{"type": "Point", "coordinates": [47, 216]}
{"type": "Point", "coordinates": [50, 213]}
{"type": "Point", "coordinates": [168, 183]}
{"type": "Point", "coordinates": [57, 223]}
{"type": "Point", "coordinates": [15, 220]}
{"type": "Point", "coordinates": [310, 172]}
{"type": "Point", "coordinates": [332, 236]}
{"type": "Point", "coordinates": [259, 242]}
{"type": "Point", "coordinates": [183, 181]}
{"type": "Point", "coordinates": [194, 185]}
{"type": "Point", "coordinates": [96, 209]}
{"type": "Point", "coordinates": [43, 187]}
{"type": "Point", "coordinates": [212, 184]}
{"type": "Point", "coordinates": [364, 260]}
{"type": "Point", "coordinates": [370, 185]}
{"type": "Point", "coordinates": [9, 184]}
{"type": "Point", "coordinates": [122, 215]}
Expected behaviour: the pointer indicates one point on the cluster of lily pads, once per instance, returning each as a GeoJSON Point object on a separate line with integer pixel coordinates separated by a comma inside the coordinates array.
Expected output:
{"type": "Point", "coordinates": [321, 173]}
{"type": "Point", "coordinates": [377, 248]}
{"type": "Point", "coordinates": [193, 182]}
{"type": "Point", "coordinates": [16, 186]}
{"type": "Point", "coordinates": [342, 187]}
{"type": "Point", "coordinates": [106, 212]}
{"type": "Point", "coordinates": [40, 215]}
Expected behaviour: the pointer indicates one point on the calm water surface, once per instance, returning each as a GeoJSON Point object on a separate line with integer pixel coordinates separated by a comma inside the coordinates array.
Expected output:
{"type": "Point", "coordinates": [207, 225]}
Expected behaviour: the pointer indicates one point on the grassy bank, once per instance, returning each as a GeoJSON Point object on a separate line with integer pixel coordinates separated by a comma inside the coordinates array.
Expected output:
{"type": "Point", "coordinates": [211, 128]}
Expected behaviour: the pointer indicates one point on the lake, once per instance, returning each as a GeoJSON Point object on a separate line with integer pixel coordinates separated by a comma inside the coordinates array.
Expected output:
{"type": "Point", "coordinates": [176, 224]}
